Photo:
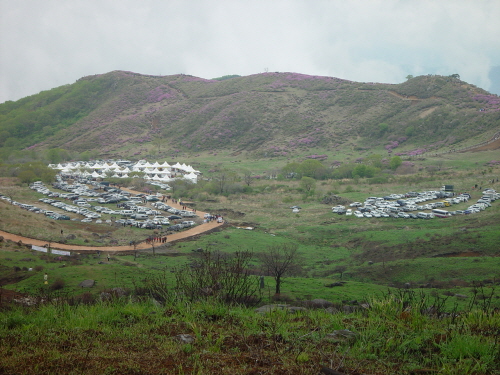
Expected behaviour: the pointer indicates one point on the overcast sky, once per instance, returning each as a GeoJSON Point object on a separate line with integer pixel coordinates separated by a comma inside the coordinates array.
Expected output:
{"type": "Point", "coordinates": [49, 43]}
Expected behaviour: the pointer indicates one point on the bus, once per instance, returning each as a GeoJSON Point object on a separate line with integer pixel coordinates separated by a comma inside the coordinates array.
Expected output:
{"type": "Point", "coordinates": [440, 213]}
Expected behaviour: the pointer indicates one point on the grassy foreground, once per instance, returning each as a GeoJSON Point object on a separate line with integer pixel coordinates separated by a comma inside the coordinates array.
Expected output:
{"type": "Point", "coordinates": [130, 335]}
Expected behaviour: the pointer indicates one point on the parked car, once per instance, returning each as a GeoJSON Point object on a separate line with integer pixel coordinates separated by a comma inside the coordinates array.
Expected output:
{"type": "Point", "coordinates": [174, 217]}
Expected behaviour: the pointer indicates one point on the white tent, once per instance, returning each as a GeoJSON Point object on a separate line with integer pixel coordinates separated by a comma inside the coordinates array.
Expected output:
{"type": "Point", "coordinates": [191, 176]}
{"type": "Point", "coordinates": [155, 171]}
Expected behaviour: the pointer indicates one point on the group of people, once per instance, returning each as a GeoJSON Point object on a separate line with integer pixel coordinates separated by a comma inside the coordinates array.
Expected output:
{"type": "Point", "coordinates": [159, 239]}
{"type": "Point", "coordinates": [209, 218]}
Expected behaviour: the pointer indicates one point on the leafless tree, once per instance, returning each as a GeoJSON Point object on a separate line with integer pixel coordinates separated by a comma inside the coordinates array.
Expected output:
{"type": "Point", "coordinates": [247, 177]}
{"type": "Point", "coordinates": [340, 270]}
{"type": "Point", "coordinates": [10, 192]}
{"type": "Point", "coordinates": [224, 277]}
{"type": "Point", "coordinates": [279, 261]}
{"type": "Point", "coordinates": [222, 178]}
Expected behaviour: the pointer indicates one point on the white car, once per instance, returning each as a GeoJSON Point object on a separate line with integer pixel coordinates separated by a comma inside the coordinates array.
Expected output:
{"type": "Point", "coordinates": [348, 212]}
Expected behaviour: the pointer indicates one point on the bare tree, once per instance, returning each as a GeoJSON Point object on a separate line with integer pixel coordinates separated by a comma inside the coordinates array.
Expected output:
{"type": "Point", "coordinates": [247, 177]}
{"type": "Point", "coordinates": [225, 277]}
{"type": "Point", "coordinates": [279, 261]}
{"type": "Point", "coordinates": [340, 270]}
{"type": "Point", "coordinates": [10, 192]}
{"type": "Point", "coordinates": [222, 178]}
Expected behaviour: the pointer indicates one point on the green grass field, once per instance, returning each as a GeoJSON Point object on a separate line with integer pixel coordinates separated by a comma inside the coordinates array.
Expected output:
{"type": "Point", "coordinates": [386, 264]}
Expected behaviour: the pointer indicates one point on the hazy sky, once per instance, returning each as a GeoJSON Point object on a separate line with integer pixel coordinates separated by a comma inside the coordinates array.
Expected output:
{"type": "Point", "coordinates": [49, 43]}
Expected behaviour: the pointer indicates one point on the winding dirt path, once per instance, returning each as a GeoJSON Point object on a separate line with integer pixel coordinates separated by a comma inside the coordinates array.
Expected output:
{"type": "Point", "coordinates": [195, 231]}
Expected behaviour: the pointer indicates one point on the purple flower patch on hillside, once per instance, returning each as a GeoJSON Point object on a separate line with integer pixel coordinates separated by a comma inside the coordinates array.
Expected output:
{"type": "Point", "coordinates": [490, 102]}
{"type": "Point", "coordinates": [392, 145]}
{"type": "Point", "coordinates": [158, 94]}
{"type": "Point", "coordinates": [317, 157]}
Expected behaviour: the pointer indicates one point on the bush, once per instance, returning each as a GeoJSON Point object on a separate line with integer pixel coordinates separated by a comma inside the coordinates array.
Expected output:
{"type": "Point", "coordinates": [38, 268]}
{"type": "Point", "coordinates": [58, 284]}
{"type": "Point", "coordinates": [282, 298]}
{"type": "Point", "coordinates": [219, 276]}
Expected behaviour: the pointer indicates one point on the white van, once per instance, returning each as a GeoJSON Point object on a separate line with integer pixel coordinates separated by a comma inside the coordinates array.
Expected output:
{"type": "Point", "coordinates": [425, 215]}
{"type": "Point", "coordinates": [126, 212]}
{"type": "Point", "coordinates": [441, 213]}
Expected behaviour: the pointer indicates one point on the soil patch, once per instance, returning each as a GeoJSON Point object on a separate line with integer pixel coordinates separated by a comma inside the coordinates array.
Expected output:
{"type": "Point", "coordinates": [226, 212]}
{"type": "Point", "coordinates": [459, 254]}
{"type": "Point", "coordinates": [490, 146]}
{"type": "Point", "coordinates": [8, 296]}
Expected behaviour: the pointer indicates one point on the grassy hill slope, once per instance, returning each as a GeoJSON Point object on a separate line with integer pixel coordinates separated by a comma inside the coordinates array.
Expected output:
{"type": "Point", "coordinates": [126, 114]}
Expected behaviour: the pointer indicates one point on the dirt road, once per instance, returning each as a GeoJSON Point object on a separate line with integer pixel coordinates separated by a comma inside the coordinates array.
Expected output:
{"type": "Point", "coordinates": [195, 231]}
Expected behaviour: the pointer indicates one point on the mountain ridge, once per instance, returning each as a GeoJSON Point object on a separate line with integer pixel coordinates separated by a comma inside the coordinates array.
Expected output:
{"type": "Point", "coordinates": [271, 114]}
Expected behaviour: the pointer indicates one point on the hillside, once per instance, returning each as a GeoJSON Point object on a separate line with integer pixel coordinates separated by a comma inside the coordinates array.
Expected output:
{"type": "Point", "coordinates": [124, 114]}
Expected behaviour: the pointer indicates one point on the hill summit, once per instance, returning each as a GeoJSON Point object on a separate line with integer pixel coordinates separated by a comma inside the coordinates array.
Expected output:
{"type": "Point", "coordinates": [270, 114]}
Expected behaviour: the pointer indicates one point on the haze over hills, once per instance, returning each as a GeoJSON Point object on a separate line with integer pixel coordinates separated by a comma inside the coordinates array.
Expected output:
{"type": "Point", "coordinates": [127, 114]}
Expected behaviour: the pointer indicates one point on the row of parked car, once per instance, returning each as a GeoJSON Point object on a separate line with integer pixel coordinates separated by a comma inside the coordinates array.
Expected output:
{"type": "Point", "coordinates": [132, 209]}
{"type": "Point", "coordinates": [405, 205]}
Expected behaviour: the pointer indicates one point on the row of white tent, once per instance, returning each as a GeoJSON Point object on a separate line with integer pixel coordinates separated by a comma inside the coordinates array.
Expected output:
{"type": "Point", "coordinates": [156, 171]}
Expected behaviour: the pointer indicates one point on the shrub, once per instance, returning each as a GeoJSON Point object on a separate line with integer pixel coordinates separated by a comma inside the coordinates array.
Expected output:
{"type": "Point", "coordinates": [282, 298]}
{"type": "Point", "coordinates": [220, 276]}
{"type": "Point", "coordinates": [57, 284]}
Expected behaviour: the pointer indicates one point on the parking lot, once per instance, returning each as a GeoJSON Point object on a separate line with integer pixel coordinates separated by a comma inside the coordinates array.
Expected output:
{"type": "Point", "coordinates": [418, 205]}
{"type": "Point", "coordinates": [89, 201]}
